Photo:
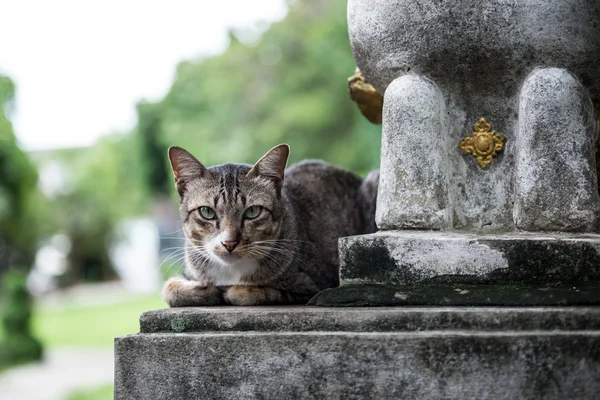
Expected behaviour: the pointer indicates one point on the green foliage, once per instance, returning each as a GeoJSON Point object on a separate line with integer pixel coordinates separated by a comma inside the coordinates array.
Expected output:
{"type": "Point", "coordinates": [99, 393]}
{"type": "Point", "coordinates": [18, 345]}
{"type": "Point", "coordinates": [149, 128]}
{"type": "Point", "coordinates": [290, 87]}
{"type": "Point", "coordinates": [18, 178]}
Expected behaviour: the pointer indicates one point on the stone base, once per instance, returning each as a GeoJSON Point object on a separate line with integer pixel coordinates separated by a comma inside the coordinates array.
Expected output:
{"type": "Point", "coordinates": [369, 353]}
{"type": "Point", "coordinates": [456, 295]}
{"type": "Point", "coordinates": [417, 257]}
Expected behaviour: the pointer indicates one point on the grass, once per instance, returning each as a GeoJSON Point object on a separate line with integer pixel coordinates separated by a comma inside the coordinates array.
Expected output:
{"type": "Point", "coordinates": [94, 325]}
{"type": "Point", "coordinates": [90, 326]}
{"type": "Point", "coordinates": [99, 393]}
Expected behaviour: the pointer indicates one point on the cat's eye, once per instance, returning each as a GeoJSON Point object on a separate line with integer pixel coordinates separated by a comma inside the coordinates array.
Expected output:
{"type": "Point", "coordinates": [252, 212]}
{"type": "Point", "coordinates": [207, 213]}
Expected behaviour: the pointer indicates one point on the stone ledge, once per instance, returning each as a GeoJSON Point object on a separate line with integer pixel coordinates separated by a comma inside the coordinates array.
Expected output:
{"type": "Point", "coordinates": [380, 319]}
{"type": "Point", "coordinates": [417, 257]}
{"type": "Point", "coordinates": [371, 353]}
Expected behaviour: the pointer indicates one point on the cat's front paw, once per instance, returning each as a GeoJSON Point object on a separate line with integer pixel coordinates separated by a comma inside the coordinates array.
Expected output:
{"type": "Point", "coordinates": [252, 295]}
{"type": "Point", "coordinates": [180, 292]}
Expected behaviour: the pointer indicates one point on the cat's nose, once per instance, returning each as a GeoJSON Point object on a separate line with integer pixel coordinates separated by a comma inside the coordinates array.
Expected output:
{"type": "Point", "coordinates": [230, 245]}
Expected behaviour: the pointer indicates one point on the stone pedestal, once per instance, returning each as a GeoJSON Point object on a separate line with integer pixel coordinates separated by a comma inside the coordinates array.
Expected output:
{"type": "Point", "coordinates": [510, 83]}
{"type": "Point", "coordinates": [369, 353]}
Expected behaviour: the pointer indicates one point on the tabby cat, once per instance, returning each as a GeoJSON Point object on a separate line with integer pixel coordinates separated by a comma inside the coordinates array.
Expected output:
{"type": "Point", "coordinates": [261, 234]}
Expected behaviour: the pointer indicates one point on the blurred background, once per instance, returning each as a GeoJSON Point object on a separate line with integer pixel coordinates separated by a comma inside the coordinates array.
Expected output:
{"type": "Point", "coordinates": [91, 96]}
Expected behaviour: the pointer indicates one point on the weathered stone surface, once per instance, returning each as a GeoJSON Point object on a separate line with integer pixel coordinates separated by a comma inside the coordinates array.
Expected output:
{"type": "Point", "coordinates": [480, 44]}
{"type": "Point", "coordinates": [458, 294]}
{"type": "Point", "coordinates": [555, 179]}
{"type": "Point", "coordinates": [413, 184]}
{"type": "Point", "coordinates": [411, 257]}
{"type": "Point", "coordinates": [553, 355]}
{"type": "Point", "coordinates": [374, 319]}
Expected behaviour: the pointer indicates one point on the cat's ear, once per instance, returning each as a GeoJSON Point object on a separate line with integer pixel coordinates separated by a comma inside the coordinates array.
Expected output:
{"type": "Point", "coordinates": [272, 165]}
{"type": "Point", "coordinates": [185, 167]}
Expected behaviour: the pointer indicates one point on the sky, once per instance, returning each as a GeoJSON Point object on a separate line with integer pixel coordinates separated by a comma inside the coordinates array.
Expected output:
{"type": "Point", "coordinates": [81, 66]}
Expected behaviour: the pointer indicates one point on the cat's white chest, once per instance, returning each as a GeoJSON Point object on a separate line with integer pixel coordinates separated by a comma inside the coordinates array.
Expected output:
{"type": "Point", "coordinates": [227, 275]}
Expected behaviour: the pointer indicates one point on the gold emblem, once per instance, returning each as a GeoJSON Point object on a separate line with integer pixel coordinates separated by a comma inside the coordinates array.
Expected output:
{"type": "Point", "coordinates": [484, 144]}
{"type": "Point", "coordinates": [368, 99]}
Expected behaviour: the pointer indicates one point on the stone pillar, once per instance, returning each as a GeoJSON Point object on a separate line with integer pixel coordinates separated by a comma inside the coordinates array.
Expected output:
{"type": "Point", "coordinates": [413, 189]}
{"type": "Point", "coordinates": [555, 178]}
{"type": "Point", "coordinates": [482, 140]}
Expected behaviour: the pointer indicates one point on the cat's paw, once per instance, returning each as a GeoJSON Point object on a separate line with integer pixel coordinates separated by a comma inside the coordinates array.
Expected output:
{"type": "Point", "coordinates": [180, 292]}
{"type": "Point", "coordinates": [252, 295]}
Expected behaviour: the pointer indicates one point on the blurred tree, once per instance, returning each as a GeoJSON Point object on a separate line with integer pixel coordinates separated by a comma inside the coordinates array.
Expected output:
{"type": "Point", "coordinates": [105, 187]}
{"type": "Point", "coordinates": [18, 239]}
{"type": "Point", "coordinates": [18, 179]}
{"type": "Point", "coordinates": [290, 86]}
{"type": "Point", "coordinates": [153, 150]}
{"type": "Point", "coordinates": [18, 344]}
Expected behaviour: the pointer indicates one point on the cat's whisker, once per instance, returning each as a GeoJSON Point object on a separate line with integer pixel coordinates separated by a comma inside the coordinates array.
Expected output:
{"type": "Point", "coordinates": [291, 251]}
{"type": "Point", "coordinates": [195, 257]}
{"type": "Point", "coordinates": [176, 248]}
{"type": "Point", "coordinates": [172, 263]}
{"type": "Point", "coordinates": [173, 254]}
{"type": "Point", "coordinates": [285, 245]}
{"type": "Point", "coordinates": [180, 267]}
{"type": "Point", "coordinates": [180, 252]}
{"type": "Point", "coordinates": [286, 253]}
{"type": "Point", "coordinates": [289, 246]}
{"type": "Point", "coordinates": [178, 260]}
{"type": "Point", "coordinates": [204, 259]}
{"type": "Point", "coordinates": [174, 232]}
{"type": "Point", "coordinates": [264, 256]}
{"type": "Point", "coordinates": [283, 240]}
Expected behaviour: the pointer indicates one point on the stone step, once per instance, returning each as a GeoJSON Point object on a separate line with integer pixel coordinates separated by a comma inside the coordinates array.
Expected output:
{"type": "Point", "coordinates": [367, 319]}
{"type": "Point", "coordinates": [366, 353]}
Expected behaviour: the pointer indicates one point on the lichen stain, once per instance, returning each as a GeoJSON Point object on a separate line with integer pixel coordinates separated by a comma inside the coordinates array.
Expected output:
{"type": "Point", "coordinates": [368, 260]}
{"type": "Point", "coordinates": [546, 263]}
{"type": "Point", "coordinates": [178, 324]}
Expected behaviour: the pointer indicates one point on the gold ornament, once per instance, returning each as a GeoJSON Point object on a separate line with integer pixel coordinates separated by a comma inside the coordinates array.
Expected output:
{"type": "Point", "coordinates": [368, 99]}
{"type": "Point", "coordinates": [483, 144]}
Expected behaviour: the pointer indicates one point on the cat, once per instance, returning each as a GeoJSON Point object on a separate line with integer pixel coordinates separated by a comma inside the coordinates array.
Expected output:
{"type": "Point", "coordinates": [261, 234]}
